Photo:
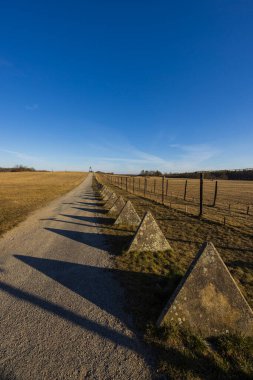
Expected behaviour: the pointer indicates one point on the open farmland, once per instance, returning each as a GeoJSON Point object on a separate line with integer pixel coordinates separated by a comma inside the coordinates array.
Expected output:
{"type": "Point", "coordinates": [150, 278]}
{"type": "Point", "coordinates": [24, 192]}
{"type": "Point", "coordinates": [186, 233]}
{"type": "Point", "coordinates": [233, 206]}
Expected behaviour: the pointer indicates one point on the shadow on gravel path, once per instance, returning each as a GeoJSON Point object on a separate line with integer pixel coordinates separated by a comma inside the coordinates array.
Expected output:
{"type": "Point", "coordinates": [70, 316]}
{"type": "Point", "coordinates": [87, 281]}
{"type": "Point", "coordinates": [92, 239]}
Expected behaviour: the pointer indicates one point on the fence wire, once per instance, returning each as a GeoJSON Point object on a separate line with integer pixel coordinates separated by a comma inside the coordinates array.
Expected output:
{"type": "Point", "coordinates": [224, 201]}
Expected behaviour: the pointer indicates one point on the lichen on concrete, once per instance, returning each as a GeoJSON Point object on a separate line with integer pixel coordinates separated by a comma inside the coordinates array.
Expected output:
{"type": "Point", "coordinates": [106, 193]}
{"type": "Point", "coordinates": [117, 206]}
{"type": "Point", "coordinates": [208, 300]}
{"type": "Point", "coordinates": [149, 237]}
{"type": "Point", "coordinates": [111, 200]}
{"type": "Point", "coordinates": [128, 216]}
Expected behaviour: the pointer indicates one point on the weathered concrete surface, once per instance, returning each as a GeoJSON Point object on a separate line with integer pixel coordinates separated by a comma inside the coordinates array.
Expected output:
{"type": "Point", "coordinates": [117, 206]}
{"type": "Point", "coordinates": [104, 190]}
{"type": "Point", "coordinates": [62, 310]}
{"type": "Point", "coordinates": [128, 216]}
{"type": "Point", "coordinates": [106, 196]}
{"type": "Point", "coordinates": [111, 200]}
{"type": "Point", "coordinates": [105, 193]}
{"type": "Point", "coordinates": [149, 237]}
{"type": "Point", "coordinates": [208, 300]}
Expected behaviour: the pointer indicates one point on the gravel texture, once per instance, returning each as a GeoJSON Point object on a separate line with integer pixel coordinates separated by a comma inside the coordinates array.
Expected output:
{"type": "Point", "coordinates": [62, 311]}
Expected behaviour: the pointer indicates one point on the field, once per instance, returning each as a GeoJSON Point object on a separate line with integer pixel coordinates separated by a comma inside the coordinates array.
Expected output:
{"type": "Point", "coordinates": [149, 279]}
{"type": "Point", "coordinates": [233, 206]}
{"type": "Point", "coordinates": [24, 192]}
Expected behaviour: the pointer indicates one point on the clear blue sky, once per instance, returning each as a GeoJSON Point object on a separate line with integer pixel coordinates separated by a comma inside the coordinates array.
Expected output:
{"type": "Point", "coordinates": [126, 85]}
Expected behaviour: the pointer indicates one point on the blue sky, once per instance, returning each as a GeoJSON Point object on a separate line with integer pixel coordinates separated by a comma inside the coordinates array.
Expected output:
{"type": "Point", "coordinates": [126, 85]}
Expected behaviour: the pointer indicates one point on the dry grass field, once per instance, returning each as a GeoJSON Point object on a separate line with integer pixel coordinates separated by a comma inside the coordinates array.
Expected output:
{"type": "Point", "coordinates": [23, 192]}
{"type": "Point", "coordinates": [150, 278]}
{"type": "Point", "coordinates": [234, 198]}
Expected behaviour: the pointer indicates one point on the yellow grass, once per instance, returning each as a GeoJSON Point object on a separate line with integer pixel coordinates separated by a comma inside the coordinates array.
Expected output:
{"type": "Point", "coordinates": [24, 192]}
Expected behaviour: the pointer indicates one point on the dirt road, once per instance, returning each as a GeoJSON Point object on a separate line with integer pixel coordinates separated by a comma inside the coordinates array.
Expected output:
{"type": "Point", "coordinates": [61, 307]}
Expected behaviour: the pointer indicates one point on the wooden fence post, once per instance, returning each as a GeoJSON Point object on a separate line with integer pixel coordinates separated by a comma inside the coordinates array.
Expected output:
{"type": "Point", "coordinates": [133, 184]}
{"type": "Point", "coordinates": [163, 189]}
{"type": "Point", "coordinates": [215, 193]}
{"type": "Point", "coordinates": [126, 184]}
{"type": "Point", "coordinates": [201, 194]}
{"type": "Point", "coordinates": [185, 189]}
{"type": "Point", "coordinates": [167, 187]}
{"type": "Point", "coordinates": [145, 186]}
{"type": "Point", "coordinates": [121, 179]}
{"type": "Point", "coordinates": [139, 183]}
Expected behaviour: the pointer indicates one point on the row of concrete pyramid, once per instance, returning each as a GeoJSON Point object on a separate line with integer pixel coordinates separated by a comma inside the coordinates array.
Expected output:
{"type": "Point", "coordinates": [148, 236]}
{"type": "Point", "coordinates": [207, 299]}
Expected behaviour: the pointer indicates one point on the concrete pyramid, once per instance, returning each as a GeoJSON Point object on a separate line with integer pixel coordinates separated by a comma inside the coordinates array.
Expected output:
{"type": "Point", "coordinates": [117, 206]}
{"type": "Point", "coordinates": [106, 194]}
{"type": "Point", "coordinates": [104, 191]}
{"type": "Point", "coordinates": [149, 237]}
{"type": "Point", "coordinates": [208, 300]}
{"type": "Point", "coordinates": [128, 216]}
{"type": "Point", "coordinates": [111, 200]}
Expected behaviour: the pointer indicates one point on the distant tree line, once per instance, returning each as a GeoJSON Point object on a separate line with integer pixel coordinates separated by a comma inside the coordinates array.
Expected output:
{"type": "Point", "coordinates": [101, 172]}
{"type": "Point", "coordinates": [237, 174]}
{"type": "Point", "coordinates": [151, 173]}
{"type": "Point", "coordinates": [18, 168]}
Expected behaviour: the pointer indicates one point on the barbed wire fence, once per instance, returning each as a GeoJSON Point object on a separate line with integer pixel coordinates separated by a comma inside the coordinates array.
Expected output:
{"type": "Point", "coordinates": [224, 201]}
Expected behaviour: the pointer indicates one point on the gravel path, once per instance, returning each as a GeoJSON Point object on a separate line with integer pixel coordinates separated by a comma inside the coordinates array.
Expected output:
{"type": "Point", "coordinates": [61, 307]}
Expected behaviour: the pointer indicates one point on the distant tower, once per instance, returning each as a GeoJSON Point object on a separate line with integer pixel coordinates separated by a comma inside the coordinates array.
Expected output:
{"type": "Point", "coordinates": [90, 170]}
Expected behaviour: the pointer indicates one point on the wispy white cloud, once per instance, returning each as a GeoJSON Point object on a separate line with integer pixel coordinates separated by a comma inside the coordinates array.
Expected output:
{"type": "Point", "coordinates": [194, 155]}
{"type": "Point", "coordinates": [22, 156]}
{"type": "Point", "coordinates": [32, 107]}
{"type": "Point", "coordinates": [193, 148]}
{"type": "Point", "coordinates": [181, 158]}
{"type": "Point", "coordinates": [125, 158]}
